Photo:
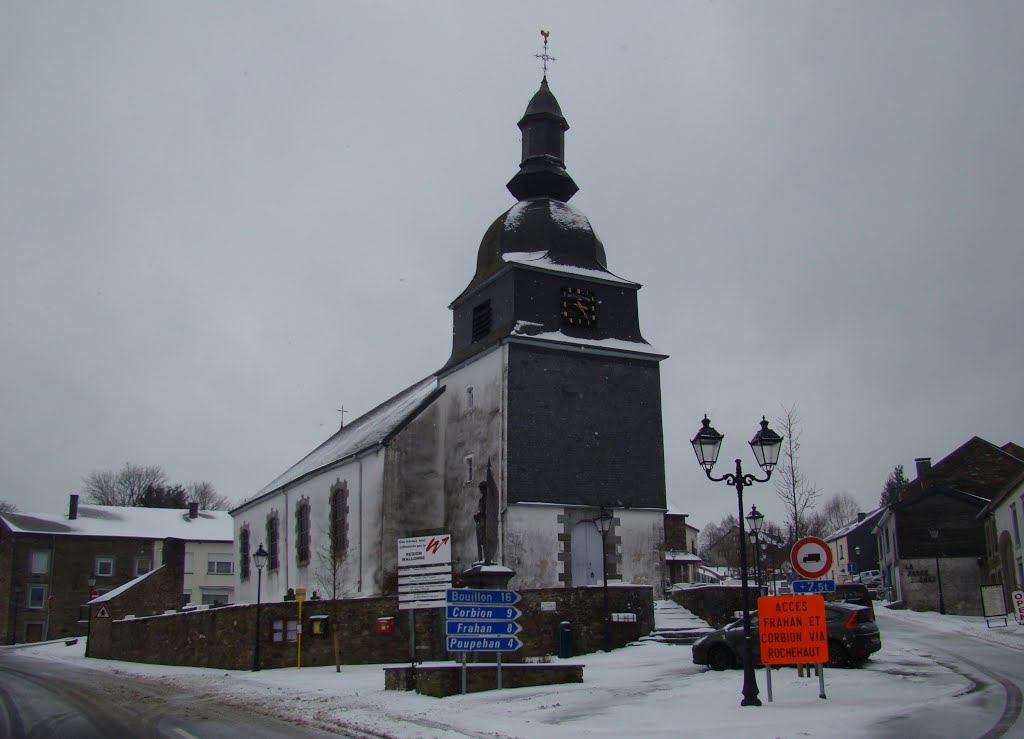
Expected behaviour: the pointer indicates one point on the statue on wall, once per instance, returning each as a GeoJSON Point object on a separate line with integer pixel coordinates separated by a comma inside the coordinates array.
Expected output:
{"type": "Point", "coordinates": [485, 528]}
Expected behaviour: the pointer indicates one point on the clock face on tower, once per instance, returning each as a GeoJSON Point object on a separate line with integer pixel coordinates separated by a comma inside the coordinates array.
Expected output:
{"type": "Point", "coordinates": [579, 308]}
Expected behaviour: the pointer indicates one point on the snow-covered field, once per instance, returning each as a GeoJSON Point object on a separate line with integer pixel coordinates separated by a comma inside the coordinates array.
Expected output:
{"type": "Point", "coordinates": [649, 689]}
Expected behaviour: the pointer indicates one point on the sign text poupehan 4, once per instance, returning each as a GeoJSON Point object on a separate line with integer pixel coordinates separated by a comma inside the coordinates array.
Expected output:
{"type": "Point", "coordinates": [791, 629]}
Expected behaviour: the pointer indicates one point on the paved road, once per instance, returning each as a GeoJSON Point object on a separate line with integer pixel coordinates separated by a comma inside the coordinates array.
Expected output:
{"type": "Point", "coordinates": [39, 698]}
{"type": "Point", "coordinates": [991, 708]}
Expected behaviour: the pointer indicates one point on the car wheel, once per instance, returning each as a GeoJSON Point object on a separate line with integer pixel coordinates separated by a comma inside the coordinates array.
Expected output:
{"type": "Point", "coordinates": [720, 658]}
{"type": "Point", "coordinates": [837, 655]}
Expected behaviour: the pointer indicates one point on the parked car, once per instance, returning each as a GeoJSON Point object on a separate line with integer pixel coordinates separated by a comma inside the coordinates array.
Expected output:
{"type": "Point", "coordinates": [871, 578]}
{"type": "Point", "coordinates": [851, 592]}
{"type": "Point", "coordinates": [853, 636]}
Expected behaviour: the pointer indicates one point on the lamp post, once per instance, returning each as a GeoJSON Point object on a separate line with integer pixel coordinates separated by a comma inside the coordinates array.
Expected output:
{"type": "Point", "coordinates": [856, 551]}
{"type": "Point", "coordinates": [766, 446]}
{"type": "Point", "coordinates": [260, 560]}
{"type": "Point", "coordinates": [938, 572]}
{"type": "Point", "coordinates": [755, 520]}
{"type": "Point", "coordinates": [603, 522]}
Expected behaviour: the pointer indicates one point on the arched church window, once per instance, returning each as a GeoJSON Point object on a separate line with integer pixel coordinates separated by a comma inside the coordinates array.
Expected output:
{"type": "Point", "coordinates": [243, 552]}
{"type": "Point", "coordinates": [339, 518]}
{"type": "Point", "coordinates": [272, 540]}
{"type": "Point", "coordinates": [302, 532]}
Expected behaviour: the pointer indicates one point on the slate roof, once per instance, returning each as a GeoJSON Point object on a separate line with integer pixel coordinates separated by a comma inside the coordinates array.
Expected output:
{"type": "Point", "coordinates": [373, 428]}
{"type": "Point", "coordinates": [127, 523]}
{"type": "Point", "coordinates": [977, 468]}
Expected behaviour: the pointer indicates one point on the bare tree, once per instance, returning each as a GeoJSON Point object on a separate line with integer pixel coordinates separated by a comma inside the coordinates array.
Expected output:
{"type": "Point", "coordinates": [6, 508]}
{"type": "Point", "coordinates": [791, 485]}
{"type": "Point", "coordinates": [837, 511]}
{"type": "Point", "coordinates": [206, 495]}
{"type": "Point", "coordinates": [125, 487]}
{"type": "Point", "coordinates": [330, 557]}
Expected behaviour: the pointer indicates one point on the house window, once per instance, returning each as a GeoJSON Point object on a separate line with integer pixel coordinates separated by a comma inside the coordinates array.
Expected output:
{"type": "Point", "coordinates": [282, 630]}
{"type": "Point", "coordinates": [1016, 524]}
{"type": "Point", "coordinates": [272, 531]}
{"type": "Point", "coordinates": [840, 551]}
{"type": "Point", "coordinates": [188, 563]}
{"type": "Point", "coordinates": [244, 555]}
{"type": "Point", "coordinates": [39, 562]}
{"type": "Point", "coordinates": [104, 567]}
{"type": "Point", "coordinates": [481, 320]}
{"type": "Point", "coordinates": [36, 597]}
{"type": "Point", "coordinates": [302, 532]}
{"type": "Point", "coordinates": [469, 398]}
{"type": "Point", "coordinates": [469, 469]}
{"type": "Point", "coordinates": [143, 565]}
{"type": "Point", "coordinates": [215, 597]}
{"type": "Point", "coordinates": [220, 564]}
{"type": "Point", "coordinates": [339, 516]}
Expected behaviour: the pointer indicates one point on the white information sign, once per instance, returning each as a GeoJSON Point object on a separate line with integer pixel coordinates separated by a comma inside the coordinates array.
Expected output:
{"type": "Point", "coordinates": [424, 571]}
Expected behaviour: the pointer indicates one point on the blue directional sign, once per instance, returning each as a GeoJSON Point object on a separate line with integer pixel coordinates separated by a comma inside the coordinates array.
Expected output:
{"type": "Point", "coordinates": [482, 628]}
{"type": "Point", "coordinates": [483, 613]}
{"type": "Point", "coordinates": [483, 644]}
{"type": "Point", "coordinates": [483, 597]}
{"type": "Point", "coordinates": [814, 586]}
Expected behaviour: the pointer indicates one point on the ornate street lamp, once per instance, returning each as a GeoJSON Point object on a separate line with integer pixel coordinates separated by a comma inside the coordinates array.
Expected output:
{"type": "Point", "coordinates": [856, 551]}
{"type": "Point", "coordinates": [766, 446]}
{"type": "Point", "coordinates": [603, 522]}
{"type": "Point", "coordinates": [755, 520]}
{"type": "Point", "coordinates": [259, 558]}
{"type": "Point", "coordinates": [91, 582]}
{"type": "Point", "coordinates": [938, 572]}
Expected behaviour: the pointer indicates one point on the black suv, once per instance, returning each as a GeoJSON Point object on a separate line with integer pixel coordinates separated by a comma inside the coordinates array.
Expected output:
{"type": "Point", "coordinates": [852, 637]}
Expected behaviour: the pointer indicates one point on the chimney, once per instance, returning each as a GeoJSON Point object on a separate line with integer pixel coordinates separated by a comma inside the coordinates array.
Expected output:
{"type": "Point", "coordinates": [861, 515]}
{"type": "Point", "coordinates": [193, 510]}
{"type": "Point", "coordinates": [923, 465]}
{"type": "Point", "coordinates": [73, 508]}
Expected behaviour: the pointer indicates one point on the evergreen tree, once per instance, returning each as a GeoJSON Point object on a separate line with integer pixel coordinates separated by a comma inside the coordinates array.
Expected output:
{"type": "Point", "coordinates": [894, 486]}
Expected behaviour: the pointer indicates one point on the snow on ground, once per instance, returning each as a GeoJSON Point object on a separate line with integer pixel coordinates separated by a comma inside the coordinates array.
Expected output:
{"type": "Point", "coordinates": [649, 689]}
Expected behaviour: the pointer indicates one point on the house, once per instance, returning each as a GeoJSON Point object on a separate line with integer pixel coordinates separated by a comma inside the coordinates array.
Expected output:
{"type": "Point", "coordinates": [1002, 521]}
{"type": "Point", "coordinates": [931, 542]}
{"type": "Point", "coordinates": [546, 414]}
{"type": "Point", "coordinates": [681, 559]}
{"type": "Point", "coordinates": [854, 548]}
{"type": "Point", "coordinates": [46, 561]}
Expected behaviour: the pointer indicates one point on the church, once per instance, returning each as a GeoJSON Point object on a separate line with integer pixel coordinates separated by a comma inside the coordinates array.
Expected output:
{"type": "Point", "coordinates": [546, 415]}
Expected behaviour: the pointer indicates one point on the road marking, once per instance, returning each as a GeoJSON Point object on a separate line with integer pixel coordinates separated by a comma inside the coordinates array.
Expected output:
{"type": "Point", "coordinates": [179, 730]}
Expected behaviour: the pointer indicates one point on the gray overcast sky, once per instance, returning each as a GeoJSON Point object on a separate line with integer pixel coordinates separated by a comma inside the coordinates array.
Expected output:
{"type": "Point", "coordinates": [219, 221]}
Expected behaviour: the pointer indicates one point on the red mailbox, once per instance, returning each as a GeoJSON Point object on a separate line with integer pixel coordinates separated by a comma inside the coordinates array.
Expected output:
{"type": "Point", "coordinates": [386, 625]}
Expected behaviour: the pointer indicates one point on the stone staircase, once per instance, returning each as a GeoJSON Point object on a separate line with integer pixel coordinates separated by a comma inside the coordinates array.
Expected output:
{"type": "Point", "coordinates": [673, 624]}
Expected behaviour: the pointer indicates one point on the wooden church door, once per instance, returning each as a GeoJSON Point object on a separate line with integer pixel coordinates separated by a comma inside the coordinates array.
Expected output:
{"type": "Point", "coordinates": [587, 563]}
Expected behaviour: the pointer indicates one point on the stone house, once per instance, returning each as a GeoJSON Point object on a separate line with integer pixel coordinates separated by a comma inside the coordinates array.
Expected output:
{"type": "Point", "coordinates": [546, 412]}
{"type": "Point", "coordinates": [931, 542]}
{"type": "Point", "coordinates": [1002, 521]}
{"type": "Point", "coordinates": [681, 558]}
{"type": "Point", "coordinates": [46, 561]}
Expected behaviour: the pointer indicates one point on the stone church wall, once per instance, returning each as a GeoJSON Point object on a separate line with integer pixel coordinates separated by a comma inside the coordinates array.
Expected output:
{"type": "Point", "coordinates": [224, 637]}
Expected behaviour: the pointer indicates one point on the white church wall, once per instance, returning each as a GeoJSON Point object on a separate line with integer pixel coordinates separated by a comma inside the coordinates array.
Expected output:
{"type": "Point", "coordinates": [532, 545]}
{"type": "Point", "coordinates": [360, 569]}
{"type": "Point", "coordinates": [641, 546]}
{"type": "Point", "coordinates": [472, 417]}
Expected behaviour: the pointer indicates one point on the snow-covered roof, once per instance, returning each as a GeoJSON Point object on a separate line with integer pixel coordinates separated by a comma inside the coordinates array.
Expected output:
{"type": "Point", "coordinates": [129, 523]}
{"type": "Point", "coordinates": [121, 588]}
{"type": "Point", "coordinates": [543, 260]}
{"type": "Point", "coordinates": [528, 330]}
{"type": "Point", "coordinates": [854, 525]}
{"type": "Point", "coordinates": [676, 555]}
{"type": "Point", "coordinates": [370, 429]}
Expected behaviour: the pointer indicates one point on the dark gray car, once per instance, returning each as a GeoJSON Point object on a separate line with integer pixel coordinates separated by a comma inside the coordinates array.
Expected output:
{"type": "Point", "coordinates": [853, 636]}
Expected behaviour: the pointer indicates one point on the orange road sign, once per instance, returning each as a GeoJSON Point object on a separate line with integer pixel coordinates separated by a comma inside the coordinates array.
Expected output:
{"type": "Point", "coordinates": [791, 629]}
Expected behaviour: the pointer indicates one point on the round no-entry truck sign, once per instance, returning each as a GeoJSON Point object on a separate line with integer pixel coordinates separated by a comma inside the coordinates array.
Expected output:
{"type": "Point", "coordinates": [811, 557]}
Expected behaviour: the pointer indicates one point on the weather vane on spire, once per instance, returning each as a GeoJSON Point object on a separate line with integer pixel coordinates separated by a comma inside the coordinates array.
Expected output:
{"type": "Point", "coordinates": [545, 57]}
